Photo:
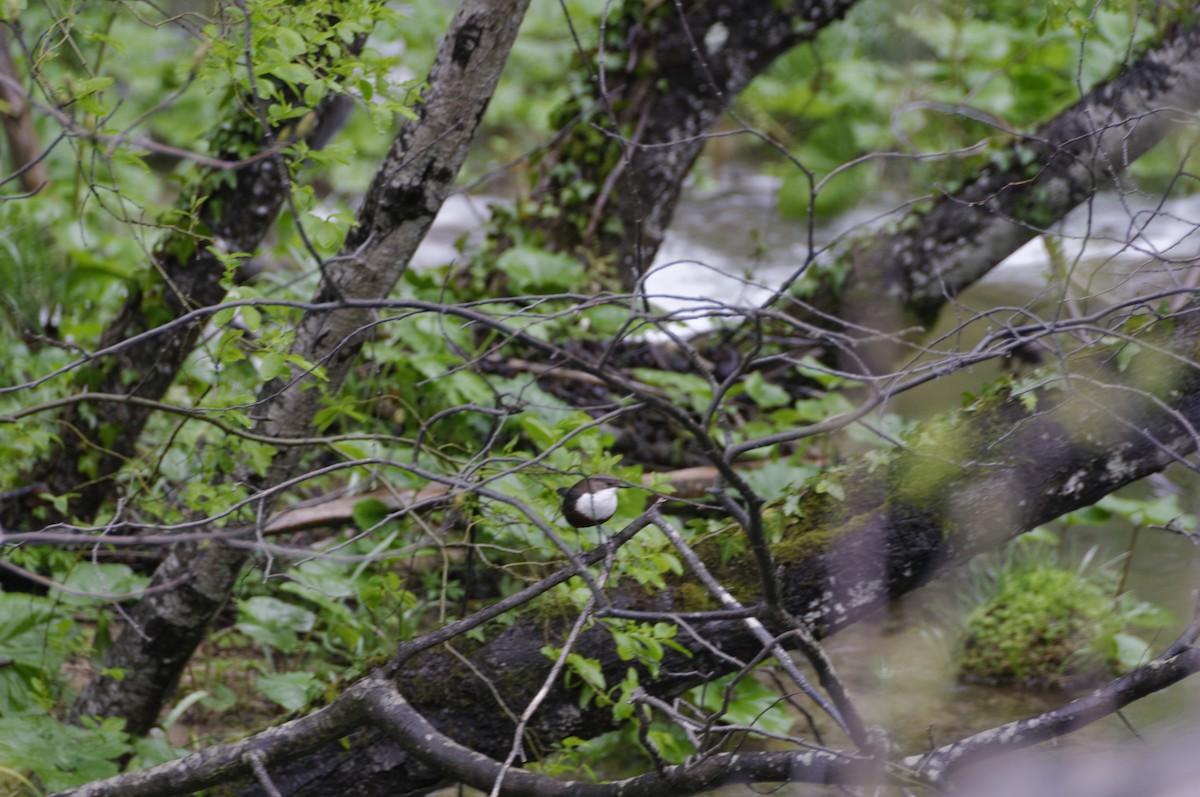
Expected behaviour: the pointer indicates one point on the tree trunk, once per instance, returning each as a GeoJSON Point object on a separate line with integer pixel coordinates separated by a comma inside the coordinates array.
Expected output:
{"type": "Point", "coordinates": [166, 626]}
{"type": "Point", "coordinates": [234, 216]}
{"type": "Point", "coordinates": [888, 283]}
{"type": "Point", "coordinates": [684, 64]}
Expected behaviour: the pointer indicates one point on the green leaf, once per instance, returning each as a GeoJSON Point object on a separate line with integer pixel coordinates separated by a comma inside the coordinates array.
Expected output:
{"type": "Point", "coordinates": [607, 319]}
{"type": "Point", "coordinates": [532, 270]}
{"type": "Point", "coordinates": [272, 365]}
{"type": "Point", "coordinates": [812, 368]}
{"type": "Point", "coordinates": [774, 480]}
{"type": "Point", "coordinates": [539, 433]}
{"type": "Point", "coordinates": [292, 690]}
{"type": "Point", "coordinates": [101, 579]}
{"type": "Point", "coordinates": [1132, 652]}
{"type": "Point", "coordinates": [88, 86]}
{"type": "Point", "coordinates": [1126, 354]}
{"type": "Point", "coordinates": [589, 670]}
{"type": "Point", "coordinates": [274, 623]}
{"type": "Point", "coordinates": [754, 704]}
{"type": "Point", "coordinates": [314, 92]}
{"type": "Point", "coordinates": [152, 751]}
{"type": "Point", "coordinates": [181, 708]}
{"type": "Point", "coordinates": [296, 74]}
{"type": "Point", "coordinates": [830, 487]}
{"type": "Point", "coordinates": [252, 318]}
{"type": "Point", "coordinates": [1139, 511]}
{"type": "Point", "coordinates": [323, 583]}
{"type": "Point", "coordinates": [1092, 515]}
{"type": "Point", "coordinates": [289, 42]}
{"type": "Point", "coordinates": [764, 393]}
{"type": "Point", "coordinates": [369, 512]}
{"type": "Point", "coordinates": [224, 316]}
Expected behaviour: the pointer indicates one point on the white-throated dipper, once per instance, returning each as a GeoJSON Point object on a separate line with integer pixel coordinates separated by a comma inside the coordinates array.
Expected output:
{"type": "Point", "coordinates": [590, 501]}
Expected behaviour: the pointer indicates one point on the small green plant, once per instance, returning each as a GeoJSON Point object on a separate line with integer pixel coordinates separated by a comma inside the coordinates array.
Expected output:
{"type": "Point", "coordinates": [1042, 625]}
{"type": "Point", "coordinates": [1039, 623]}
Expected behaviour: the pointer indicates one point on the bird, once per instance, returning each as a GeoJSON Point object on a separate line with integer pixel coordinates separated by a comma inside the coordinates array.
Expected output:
{"type": "Point", "coordinates": [591, 500]}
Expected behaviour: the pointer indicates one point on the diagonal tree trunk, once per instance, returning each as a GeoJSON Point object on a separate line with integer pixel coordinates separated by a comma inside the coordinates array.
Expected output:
{"type": "Point", "coordinates": [165, 628]}
{"type": "Point", "coordinates": [890, 282]}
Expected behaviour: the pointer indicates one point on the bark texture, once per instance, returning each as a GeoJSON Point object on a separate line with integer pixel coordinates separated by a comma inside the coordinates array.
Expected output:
{"type": "Point", "coordinates": [683, 65]}
{"type": "Point", "coordinates": [405, 196]}
{"type": "Point", "coordinates": [24, 145]}
{"type": "Point", "coordinates": [906, 277]}
{"type": "Point", "coordinates": [165, 627]}
{"type": "Point", "coordinates": [236, 211]}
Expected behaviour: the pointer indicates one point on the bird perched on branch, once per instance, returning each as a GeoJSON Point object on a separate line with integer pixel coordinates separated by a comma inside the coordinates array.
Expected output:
{"type": "Point", "coordinates": [590, 501]}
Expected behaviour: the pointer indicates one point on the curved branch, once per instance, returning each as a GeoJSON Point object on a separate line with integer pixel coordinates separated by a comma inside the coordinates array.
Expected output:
{"type": "Point", "coordinates": [1103, 702]}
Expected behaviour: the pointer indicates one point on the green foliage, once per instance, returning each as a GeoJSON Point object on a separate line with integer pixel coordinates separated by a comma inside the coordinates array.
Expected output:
{"type": "Point", "coordinates": [291, 690]}
{"type": "Point", "coordinates": [532, 270]}
{"type": "Point", "coordinates": [1163, 511]}
{"type": "Point", "coordinates": [36, 637]}
{"type": "Point", "coordinates": [1038, 623]}
{"type": "Point", "coordinates": [836, 192]}
{"type": "Point", "coordinates": [695, 390]}
{"type": "Point", "coordinates": [743, 702]}
{"type": "Point", "coordinates": [746, 702]}
{"type": "Point", "coordinates": [764, 393]}
{"type": "Point", "coordinates": [60, 756]}
{"type": "Point", "coordinates": [274, 624]}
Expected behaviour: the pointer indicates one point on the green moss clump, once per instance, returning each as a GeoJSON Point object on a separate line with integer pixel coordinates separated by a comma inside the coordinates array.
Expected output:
{"type": "Point", "coordinates": [801, 545]}
{"type": "Point", "coordinates": [691, 597]}
{"type": "Point", "coordinates": [1045, 626]}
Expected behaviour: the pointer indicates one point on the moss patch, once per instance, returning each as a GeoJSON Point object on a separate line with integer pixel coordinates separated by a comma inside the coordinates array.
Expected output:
{"type": "Point", "coordinates": [1043, 627]}
{"type": "Point", "coordinates": [691, 597]}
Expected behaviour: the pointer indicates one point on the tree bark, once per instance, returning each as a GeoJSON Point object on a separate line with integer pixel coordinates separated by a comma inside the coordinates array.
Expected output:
{"type": "Point", "coordinates": [165, 627]}
{"type": "Point", "coordinates": [23, 143]}
{"type": "Point", "coordinates": [236, 211]}
{"type": "Point", "coordinates": [685, 63]}
{"type": "Point", "coordinates": [896, 280]}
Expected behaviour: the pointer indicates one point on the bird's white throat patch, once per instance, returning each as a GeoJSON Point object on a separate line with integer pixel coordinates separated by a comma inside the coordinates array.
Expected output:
{"type": "Point", "coordinates": [599, 505]}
